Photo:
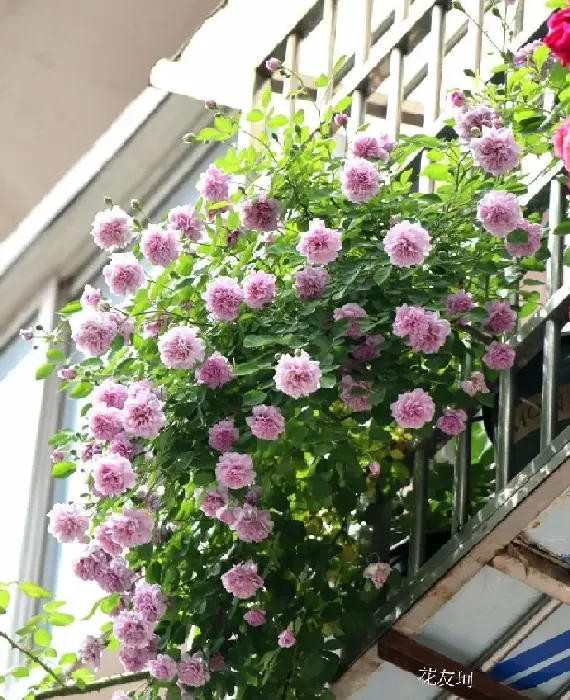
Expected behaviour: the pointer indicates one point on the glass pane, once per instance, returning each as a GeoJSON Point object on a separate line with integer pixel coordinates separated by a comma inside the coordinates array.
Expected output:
{"type": "Point", "coordinates": [20, 405]}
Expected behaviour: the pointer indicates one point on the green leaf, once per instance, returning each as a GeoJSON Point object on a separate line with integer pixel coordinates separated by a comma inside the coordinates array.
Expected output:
{"type": "Point", "coordinates": [256, 115]}
{"type": "Point", "coordinates": [563, 228]}
{"type": "Point", "coordinates": [4, 600]}
{"type": "Point", "coordinates": [68, 658]}
{"type": "Point", "coordinates": [339, 64]}
{"type": "Point", "coordinates": [42, 637]}
{"type": "Point", "coordinates": [203, 478]}
{"type": "Point", "coordinates": [519, 235]}
{"type": "Point", "coordinates": [328, 381]}
{"type": "Point", "coordinates": [556, 4]}
{"type": "Point", "coordinates": [60, 470]}
{"type": "Point", "coordinates": [259, 341]}
{"type": "Point", "coordinates": [44, 370]}
{"type": "Point", "coordinates": [322, 81]}
{"type": "Point", "coordinates": [32, 590]}
{"type": "Point", "coordinates": [60, 619]}
{"type": "Point", "coordinates": [55, 354]}
{"type": "Point", "coordinates": [341, 105]}
{"type": "Point", "coordinates": [110, 602]}
{"type": "Point", "coordinates": [381, 275]}
{"type": "Point", "coordinates": [71, 307]}
{"type": "Point", "coordinates": [277, 121]}
{"type": "Point", "coordinates": [81, 390]}
{"type": "Point", "coordinates": [53, 605]}
{"type": "Point", "coordinates": [254, 397]}
{"type": "Point", "coordinates": [20, 672]}
{"type": "Point", "coordinates": [266, 97]}
{"type": "Point", "coordinates": [436, 171]}
{"type": "Point", "coordinates": [486, 399]}
{"type": "Point", "coordinates": [251, 367]}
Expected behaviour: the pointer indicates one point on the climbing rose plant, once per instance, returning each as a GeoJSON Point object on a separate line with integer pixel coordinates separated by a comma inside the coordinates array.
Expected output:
{"type": "Point", "coordinates": [279, 348]}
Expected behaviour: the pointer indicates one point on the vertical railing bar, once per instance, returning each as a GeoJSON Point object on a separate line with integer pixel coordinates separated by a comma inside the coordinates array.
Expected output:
{"type": "Point", "coordinates": [330, 16]}
{"type": "Point", "coordinates": [434, 79]}
{"type": "Point", "coordinates": [419, 513]}
{"type": "Point", "coordinates": [553, 327]}
{"type": "Point", "coordinates": [519, 17]}
{"type": "Point", "coordinates": [395, 95]}
{"type": "Point", "coordinates": [363, 21]}
{"type": "Point", "coordinates": [290, 83]}
{"type": "Point", "coordinates": [505, 428]}
{"type": "Point", "coordinates": [475, 29]}
{"type": "Point", "coordinates": [461, 487]}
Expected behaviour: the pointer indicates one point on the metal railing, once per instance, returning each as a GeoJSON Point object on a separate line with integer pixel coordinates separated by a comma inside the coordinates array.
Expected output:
{"type": "Point", "coordinates": [381, 74]}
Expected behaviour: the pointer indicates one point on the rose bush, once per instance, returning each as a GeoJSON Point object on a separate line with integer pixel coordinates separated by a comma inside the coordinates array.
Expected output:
{"type": "Point", "coordinates": [278, 352]}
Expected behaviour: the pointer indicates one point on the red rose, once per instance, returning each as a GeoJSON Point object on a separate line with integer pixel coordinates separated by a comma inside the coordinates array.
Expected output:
{"type": "Point", "coordinates": [558, 37]}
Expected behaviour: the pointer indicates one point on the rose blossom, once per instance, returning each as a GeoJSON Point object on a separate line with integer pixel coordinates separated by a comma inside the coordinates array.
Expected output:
{"type": "Point", "coordinates": [459, 302]}
{"type": "Point", "coordinates": [112, 474]}
{"type": "Point", "coordinates": [89, 564]}
{"type": "Point", "coordinates": [68, 522]}
{"type": "Point", "coordinates": [109, 392]}
{"type": "Point", "coordinates": [215, 372]}
{"type": "Point", "coordinates": [340, 119]}
{"type": "Point", "coordinates": [124, 274]}
{"type": "Point", "coordinates": [67, 373]}
{"type": "Point", "coordinates": [217, 662]}
{"type": "Point", "coordinates": [457, 99]}
{"type": "Point", "coordinates": [561, 142]}
{"type": "Point", "coordinates": [104, 538]}
{"type": "Point", "coordinates": [255, 617]}
{"type": "Point", "coordinates": [119, 694]}
{"type": "Point", "coordinates": [359, 180]}
{"type": "Point", "coordinates": [532, 246]}
{"type": "Point", "coordinates": [500, 317]}
{"type": "Point", "coordinates": [93, 331]}
{"type": "Point", "coordinates": [378, 573]}
{"type": "Point", "coordinates": [410, 320]}
{"type": "Point", "coordinates": [499, 356]}
{"type": "Point", "coordinates": [355, 401]}
{"type": "Point", "coordinates": [474, 385]}
{"type": "Point", "coordinates": [258, 289]}
{"type": "Point", "coordinates": [242, 580]}
{"type": "Point", "coordinates": [286, 639]}
{"type": "Point", "coordinates": [311, 282]}
{"type": "Point", "coordinates": [89, 652]}
{"type": "Point", "coordinates": [148, 601]}
{"type": "Point", "coordinates": [160, 246]}
{"type": "Point", "coordinates": [297, 376]}
{"type": "Point", "coordinates": [319, 245]}
{"type": "Point", "coordinates": [186, 220]}
{"type": "Point", "coordinates": [272, 64]}
{"type": "Point", "coordinates": [223, 297]}
{"type": "Point", "coordinates": [413, 409]}
{"type": "Point", "coordinates": [558, 37]}
{"type": "Point", "coordinates": [368, 350]}
{"type": "Point", "coordinates": [235, 470]}
{"type": "Point", "coordinates": [143, 416]}
{"type": "Point", "coordinates": [193, 671]}
{"type": "Point", "coordinates": [57, 456]}
{"type": "Point", "coordinates": [181, 348]}
{"type": "Point", "coordinates": [121, 445]}
{"type": "Point", "coordinates": [374, 468]}
{"type": "Point", "coordinates": [432, 337]}
{"type": "Point", "coordinates": [452, 422]}
{"type": "Point", "coordinates": [499, 212]}
{"type": "Point", "coordinates": [407, 244]}
{"type": "Point", "coordinates": [496, 151]}
{"type": "Point", "coordinates": [472, 118]}
{"type": "Point", "coordinates": [365, 146]}
{"type": "Point", "coordinates": [213, 500]}
{"type": "Point", "coordinates": [524, 55]}
{"type": "Point", "coordinates": [261, 214]}
{"type": "Point", "coordinates": [266, 423]}
{"type": "Point", "coordinates": [227, 515]}
{"type": "Point", "coordinates": [112, 229]}
{"type": "Point", "coordinates": [131, 527]}
{"type": "Point", "coordinates": [163, 668]}
{"type": "Point", "coordinates": [90, 296]}
{"type": "Point", "coordinates": [222, 435]}
{"type": "Point", "coordinates": [115, 576]}
{"type": "Point", "coordinates": [104, 421]}
{"type": "Point", "coordinates": [252, 524]}
{"type": "Point", "coordinates": [350, 311]}
{"type": "Point", "coordinates": [132, 630]}
{"type": "Point", "coordinates": [214, 185]}
{"type": "Point", "coordinates": [134, 660]}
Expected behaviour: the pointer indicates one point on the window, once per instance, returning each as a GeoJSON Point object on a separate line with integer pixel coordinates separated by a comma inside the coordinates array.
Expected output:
{"type": "Point", "coordinates": [20, 404]}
